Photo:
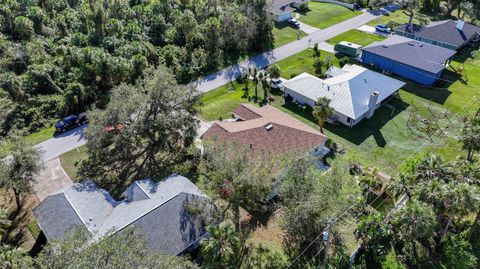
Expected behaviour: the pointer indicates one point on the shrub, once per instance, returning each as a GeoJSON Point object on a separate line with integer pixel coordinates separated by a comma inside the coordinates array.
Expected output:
{"type": "Point", "coordinates": [343, 61]}
{"type": "Point", "coordinates": [392, 24]}
{"type": "Point", "coordinates": [34, 228]}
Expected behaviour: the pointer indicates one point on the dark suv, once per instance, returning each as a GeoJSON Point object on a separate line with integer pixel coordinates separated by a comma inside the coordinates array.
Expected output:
{"type": "Point", "coordinates": [70, 122]}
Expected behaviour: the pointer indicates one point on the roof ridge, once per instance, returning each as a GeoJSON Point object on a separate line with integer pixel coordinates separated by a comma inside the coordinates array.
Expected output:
{"type": "Point", "coordinates": [136, 183]}
{"type": "Point", "coordinates": [76, 212]}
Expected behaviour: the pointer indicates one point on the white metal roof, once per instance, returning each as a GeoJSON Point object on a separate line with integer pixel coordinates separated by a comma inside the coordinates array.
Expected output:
{"type": "Point", "coordinates": [349, 91]}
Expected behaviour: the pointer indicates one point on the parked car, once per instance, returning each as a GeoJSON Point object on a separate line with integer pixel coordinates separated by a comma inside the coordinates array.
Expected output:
{"type": "Point", "coordinates": [276, 84]}
{"type": "Point", "coordinates": [382, 28]}
{"type": "Point", "coordinates": [71, 122]}
{"type": "Point", "coordinates": [356, 6]}
{"type": "Point", "coordinates": [294, 23]}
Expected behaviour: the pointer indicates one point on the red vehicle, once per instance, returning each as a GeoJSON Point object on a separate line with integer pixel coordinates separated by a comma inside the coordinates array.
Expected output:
{"type": "Point", "coordinates": [113, 128]}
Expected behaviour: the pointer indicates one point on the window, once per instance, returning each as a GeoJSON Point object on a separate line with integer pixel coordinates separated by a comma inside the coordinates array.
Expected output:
{"type": "Point", "coordinates": [349, 120]}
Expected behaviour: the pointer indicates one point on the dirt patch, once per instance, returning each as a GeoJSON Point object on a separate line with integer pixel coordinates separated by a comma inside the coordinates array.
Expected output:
{"type": "Point", "coordinates": [18, 234]}
{"type": "Point", "coordinates": [265, 229]}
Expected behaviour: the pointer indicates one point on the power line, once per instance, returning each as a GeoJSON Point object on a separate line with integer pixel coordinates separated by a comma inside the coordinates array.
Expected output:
{"type": "Point", "coordinates": [464, 110]}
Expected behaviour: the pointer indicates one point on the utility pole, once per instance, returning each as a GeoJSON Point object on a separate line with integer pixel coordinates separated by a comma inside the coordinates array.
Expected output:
{"type": "Point", "coordinates": [326, 241]}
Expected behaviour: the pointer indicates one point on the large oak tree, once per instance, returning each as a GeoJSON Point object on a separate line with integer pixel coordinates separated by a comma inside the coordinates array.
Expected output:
{"type": "Point", "coordinates": [144, 132]}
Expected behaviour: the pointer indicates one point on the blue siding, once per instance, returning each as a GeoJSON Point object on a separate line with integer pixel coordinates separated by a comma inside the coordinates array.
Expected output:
{"type": "Point", "coordinates": [284, 17]}
{"type": "Point", "coordinates": [415, 74]}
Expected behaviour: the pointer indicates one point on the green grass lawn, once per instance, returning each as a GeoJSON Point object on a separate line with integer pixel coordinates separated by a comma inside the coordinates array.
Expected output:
{"type": "Point", "coordinates": [284, 34]}
{"type": "Point", "coordinates": [71, 160]}
{"type": "Point", "coordinates": [385, 140]}
{"type": "Point", "coordinates": [323, 15]}
{"type": "Point", "coordinates": [302, 62]}
{"type": "Point", "coordinates": [357, 37]}
{"type": "Point", "coordinates": [399, 17]}
{"type": "Point", "coordinates": [33, 139]}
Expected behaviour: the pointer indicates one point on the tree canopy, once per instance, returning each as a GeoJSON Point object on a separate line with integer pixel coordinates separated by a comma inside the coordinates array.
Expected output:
{"type": "Point", "coordinates": [144, 132]}
{"type": "Point", "coordinates": [60, 57]}
{"type": "Point", "coordinates": [123, 250]}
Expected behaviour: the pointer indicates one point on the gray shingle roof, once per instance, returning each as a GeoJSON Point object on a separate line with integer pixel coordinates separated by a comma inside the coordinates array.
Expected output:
{"type": "Point", "coordinates": [444, 31]}
{"type": "Point", "coordinates": [170, 228]}
{"type": "Point", "coordinates": [279, 9]}
{"type": "Point", "coordinates": [413, 53]}
{"type": "Point", "coordinates": [86, 205]}
{"type": "Point", "coordinates": [55, 216]}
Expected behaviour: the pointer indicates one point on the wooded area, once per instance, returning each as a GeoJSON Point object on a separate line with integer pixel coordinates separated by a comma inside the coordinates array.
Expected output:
{"type": "Point", "coordinates": [61, 57]}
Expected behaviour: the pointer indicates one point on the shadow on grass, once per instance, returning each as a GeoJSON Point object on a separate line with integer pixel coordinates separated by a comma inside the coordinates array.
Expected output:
{"type": "Point", "coordinates": [366, 128]}
{"type": "Point", "coordinates": [437, 93]}
{"type": "Point", "coordinates": [465, 53]}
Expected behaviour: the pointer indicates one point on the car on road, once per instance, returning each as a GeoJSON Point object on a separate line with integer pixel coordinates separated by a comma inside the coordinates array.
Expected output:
{"type": "Point", "coordinates": [294, 23]}
{"type": "Point", "coordinates": [382, 28]}
{"type": "Point", "coordinates": [71, 122]}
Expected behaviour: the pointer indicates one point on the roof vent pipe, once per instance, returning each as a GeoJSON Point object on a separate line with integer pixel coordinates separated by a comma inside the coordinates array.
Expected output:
{"type": "Point", "coordinates": [372, 104]}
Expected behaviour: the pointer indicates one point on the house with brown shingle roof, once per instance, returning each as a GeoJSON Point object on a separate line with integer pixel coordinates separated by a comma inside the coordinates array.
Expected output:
{"type": "Point", "coordinates": [267, 129]}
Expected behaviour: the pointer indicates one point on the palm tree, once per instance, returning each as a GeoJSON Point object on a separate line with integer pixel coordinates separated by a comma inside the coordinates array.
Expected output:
{"type": "Point", "coordinates": [246, 81]}
{"type": "Point", "coordinates": [322, 111]}
{"type": "Point", "coordinates": [369, 181]}
{"type": "Point", "coordinates": [265, 88]}
{"type": "Point", "coordinates": [222, 248]}
{"type": "Point", "coordinates": [471, 137]}
{"type": "Point", "coordinates": [274, 71]}
{"type": "Point", "coordinates": [255, 81]}
{"type": "Point", "coordinates": [400, 186]}
{"type": "Point", "coordinates": [458, 200]}
{"type": "Point", "coordinates": [414, 223]}
{"type": "Point", "coordinates": [432, 167]}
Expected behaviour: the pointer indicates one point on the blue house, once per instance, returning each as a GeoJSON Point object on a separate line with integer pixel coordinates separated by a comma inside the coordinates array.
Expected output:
{"type": "Point", "coordinates": [448, 34]}
{"type": "Point", "coordinates": [415, 60]}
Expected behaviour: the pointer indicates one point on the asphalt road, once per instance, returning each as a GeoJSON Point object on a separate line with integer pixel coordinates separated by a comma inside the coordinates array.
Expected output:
{"type": "Point", "coordinates": [56, 146]}
{"type": "Point", "coordinates": [260, 61]}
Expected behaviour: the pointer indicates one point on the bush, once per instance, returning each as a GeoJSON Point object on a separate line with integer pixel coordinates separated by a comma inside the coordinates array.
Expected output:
{"type": "Point", "coordinates": [392, 24]}
{"type": "Point", "coordinates": [343, 61]}
{"type": "Point", "coordinates": [458, 252]}
{"type": "Point", "coordinates": [34, 229]}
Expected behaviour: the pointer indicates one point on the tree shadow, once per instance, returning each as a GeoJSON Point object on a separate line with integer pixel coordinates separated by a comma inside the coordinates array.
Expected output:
{"type": "Point", "coordinates": [366, 128]}
{"type": "Point", "coordinates": [257, 219]}
{"type": "Point", "coordinates": [465, 53]}
{"type": "Point", "coordinates": [371, 127]}
{"type": "Point", "coordinates": [39, 244]}
{"type": "Point", "coordinates": [438, 93]}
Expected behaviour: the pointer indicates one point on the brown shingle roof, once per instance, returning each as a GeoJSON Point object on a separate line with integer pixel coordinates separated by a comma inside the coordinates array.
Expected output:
{"type": "Point", "coordinates": [284, 133]}
{"type": "Point", "coordinates": [245, 114]}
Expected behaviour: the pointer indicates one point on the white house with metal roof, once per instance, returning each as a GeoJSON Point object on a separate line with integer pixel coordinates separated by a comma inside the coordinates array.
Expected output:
{"type": "Point", "coordinates": [159, 211]}
{"type": "Point", "coordinates": [355, 92]}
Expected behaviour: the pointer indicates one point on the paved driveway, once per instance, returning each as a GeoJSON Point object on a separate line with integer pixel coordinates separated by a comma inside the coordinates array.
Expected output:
{"type": "Point", "coordinates": [260, 61]}
{"type": "Point", "coordinates": [371, 30]}
{"type": "Point", "coordinates": [52, 179]}
{"type": "Point", "coordinates": [307, 28]}
{"type": "Point", "coordinates": [56, 146]}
